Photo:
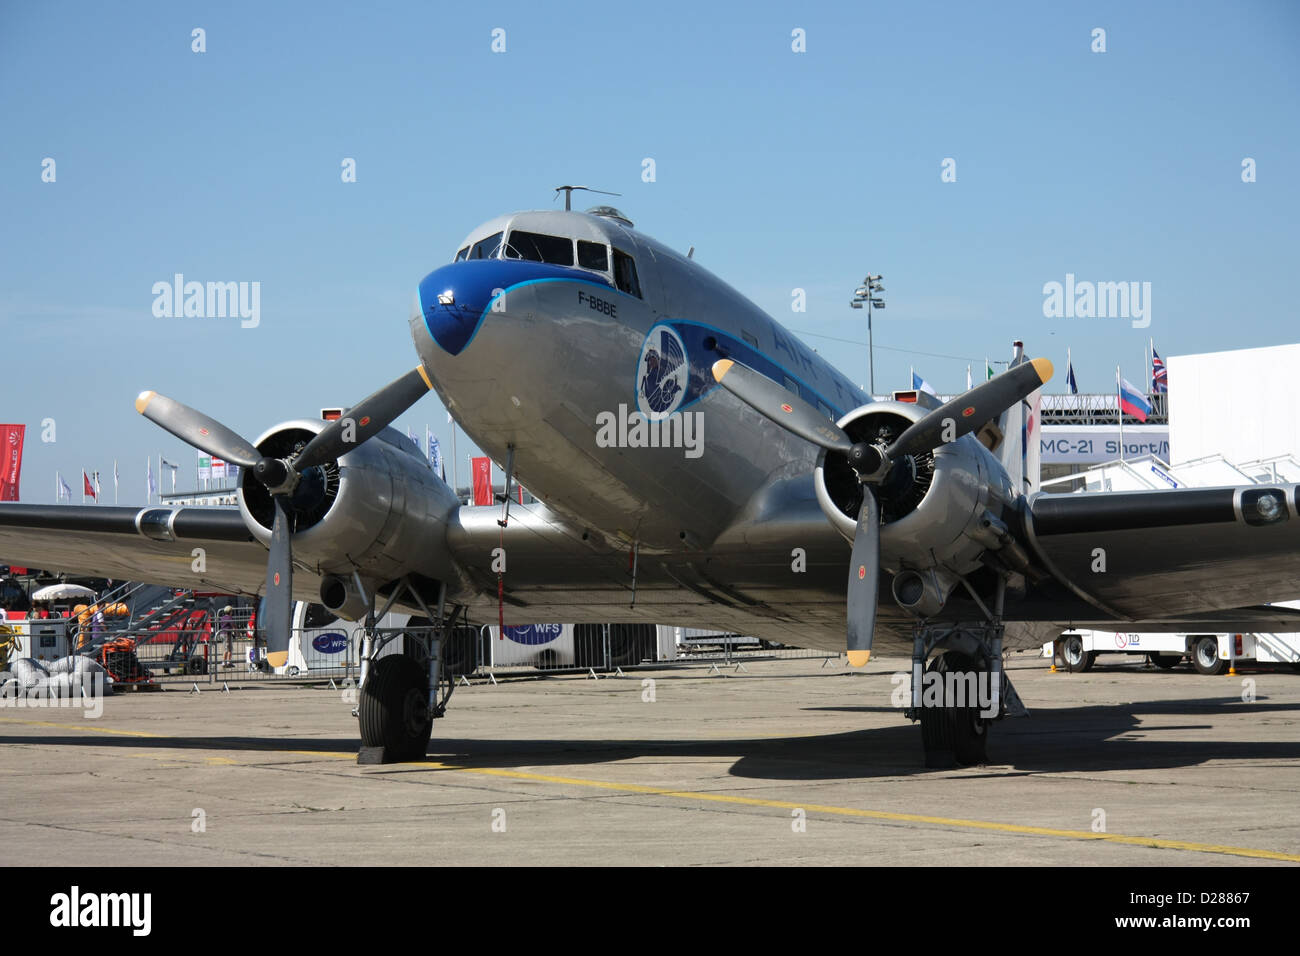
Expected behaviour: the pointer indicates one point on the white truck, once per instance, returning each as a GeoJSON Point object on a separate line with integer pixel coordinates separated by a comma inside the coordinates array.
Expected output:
{"type": "Point", "coordinates": [1209, 653]}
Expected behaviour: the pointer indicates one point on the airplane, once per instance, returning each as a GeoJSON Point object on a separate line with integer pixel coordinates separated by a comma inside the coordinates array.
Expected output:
{"type": "Point", "coordinates": [693, 463]}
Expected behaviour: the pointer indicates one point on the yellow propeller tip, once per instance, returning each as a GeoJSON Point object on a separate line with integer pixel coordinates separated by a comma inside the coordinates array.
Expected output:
{"type": "Point", "coordinates": [142, 401]}
{"type": "Point", "coordinates": [859, 658]}
{"type": "Point", "coordinates": [1043, 367]}
{"type": "Point", "coordinates": [721, 367]}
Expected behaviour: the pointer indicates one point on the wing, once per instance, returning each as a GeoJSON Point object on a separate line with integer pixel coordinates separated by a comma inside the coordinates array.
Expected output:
{"type": "Point", "coordinates": [1180, 554]}
{"type": "Point", "coordinates": [154, 545]}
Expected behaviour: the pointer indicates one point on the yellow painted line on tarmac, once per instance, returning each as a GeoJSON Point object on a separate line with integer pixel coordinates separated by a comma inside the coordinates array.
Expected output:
{"type": "Point", "coordinates": [735, 800]}
{"type": "Point", "coordinates": [98, 730]}
{"type": "Point", "coordinates": [957, 822]}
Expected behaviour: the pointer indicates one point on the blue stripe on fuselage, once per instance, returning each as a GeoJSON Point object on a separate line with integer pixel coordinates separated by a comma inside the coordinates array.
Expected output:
{"type": "Point", "coordinates": [474, 284]}
{"type": "Point", "coordinates": [701, 358]}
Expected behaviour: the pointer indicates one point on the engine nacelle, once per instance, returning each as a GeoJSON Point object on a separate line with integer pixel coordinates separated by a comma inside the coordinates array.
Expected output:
{"type": "Point", "coordinates": [939, 511]}
{"type": "Point", "coordinates": [379, 511]}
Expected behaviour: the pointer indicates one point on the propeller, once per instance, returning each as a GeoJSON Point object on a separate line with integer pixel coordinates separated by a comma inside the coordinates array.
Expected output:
{"type": "Point", "coordinates": [872, 461]}
{"type": "Point", "coordinates": [281, 476]}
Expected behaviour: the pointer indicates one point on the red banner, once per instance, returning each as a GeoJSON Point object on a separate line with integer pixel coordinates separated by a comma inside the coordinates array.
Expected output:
{"type": "Point", "coordinates": [89, 489]}
{"type": "Point", "coordinates": [482, 468]}
{"type": "Point", "coordinates": [11, 467]}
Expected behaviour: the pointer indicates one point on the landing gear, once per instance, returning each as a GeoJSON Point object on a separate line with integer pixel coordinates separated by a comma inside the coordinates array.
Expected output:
{"type": "Point", "coordinates": [404, 682]}
{"type": "Point", "coordinates": [954, 734]}
{"type": "Point", "coordinates": [394, 709]}
{"type": "Point", "coordinates": [960, 692]}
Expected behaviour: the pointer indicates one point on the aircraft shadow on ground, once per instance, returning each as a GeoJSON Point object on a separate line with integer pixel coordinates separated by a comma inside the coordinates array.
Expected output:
{"type": "Point", "coordinates": [1071, 739]}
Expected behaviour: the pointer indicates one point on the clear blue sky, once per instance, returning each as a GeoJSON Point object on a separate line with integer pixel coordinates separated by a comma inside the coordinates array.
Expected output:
{"type": "Point", "coordinates": [784, 170]}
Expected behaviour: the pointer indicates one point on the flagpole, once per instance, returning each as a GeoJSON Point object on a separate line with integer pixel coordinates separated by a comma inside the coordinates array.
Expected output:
{"type": "Point", "coordinates": [83, 484]}
{"type": "Point", "coordinates": [455, 463]}
{"type": "Point", "coordinates": [1119, 402]}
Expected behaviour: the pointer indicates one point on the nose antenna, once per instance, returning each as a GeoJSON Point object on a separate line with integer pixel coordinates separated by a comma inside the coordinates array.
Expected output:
{"type": "Point", "coordinates": [568, 194]}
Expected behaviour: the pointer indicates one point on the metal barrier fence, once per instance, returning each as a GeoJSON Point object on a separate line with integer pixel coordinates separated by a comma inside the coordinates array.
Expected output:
{"type": "Point", "coordinates": [334, 653]}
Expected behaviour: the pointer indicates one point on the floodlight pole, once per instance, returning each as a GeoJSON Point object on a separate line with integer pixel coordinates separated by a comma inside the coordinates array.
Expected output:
{"type": "Point", "coordinates": [867, 293]}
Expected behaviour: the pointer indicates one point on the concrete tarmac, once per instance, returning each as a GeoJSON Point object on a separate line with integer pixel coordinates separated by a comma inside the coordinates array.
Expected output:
{"type": "Point", "coordinates": [787, 763]}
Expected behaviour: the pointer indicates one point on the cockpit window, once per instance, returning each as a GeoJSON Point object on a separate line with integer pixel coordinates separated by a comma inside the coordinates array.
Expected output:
{"type": "Point", "coordinates": [625, 274]}
{"type": "Point", "coordinates": [463, 254]}
{"type": "Point", "coordinates": [535, 247]}
{"type": "Point", "coordinates": [593, 255]}
{"type": "Point", "coordinates": [486, 248]}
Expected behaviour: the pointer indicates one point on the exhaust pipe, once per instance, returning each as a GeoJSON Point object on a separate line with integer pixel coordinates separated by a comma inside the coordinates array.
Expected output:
{"type": "Point", "coordinates": [921, 593]}
{"type": "Point", "coordinates": [342, 598]}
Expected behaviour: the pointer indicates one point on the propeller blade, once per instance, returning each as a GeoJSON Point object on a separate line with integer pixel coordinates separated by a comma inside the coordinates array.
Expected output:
{"type": "Point", "coordinates": [864, 581]}
{"type": "Point", "coordinates": [786, 409]}
{"type": "Point", "coordinates": [195, 428]}
{"type": "Point", "coordinates": [279, 584]}
{"type": "Point", "coordinates": [971, 409]}
{"type": "Point", "coordinates": [367, 418]}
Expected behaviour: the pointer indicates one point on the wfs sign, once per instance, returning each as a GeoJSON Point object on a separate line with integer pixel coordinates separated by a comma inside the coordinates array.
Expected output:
{"type": "Point", "coordinates": [533, 634]}
{"type": "Point", "coordinates": [330, 643]}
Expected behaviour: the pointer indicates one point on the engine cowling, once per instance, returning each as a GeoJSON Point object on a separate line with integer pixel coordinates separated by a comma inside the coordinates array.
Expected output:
{"type": "Point", "coordinates": [939, 511]}
{"type": "Point", "coordinates": [378, 510]}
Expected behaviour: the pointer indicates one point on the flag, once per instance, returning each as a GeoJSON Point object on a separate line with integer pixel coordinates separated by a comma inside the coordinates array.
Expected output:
{"type": "Point", "coordinates": [1132, 401]}
{"type": "Point", "coordinates": [11, 465]}
{"type": "Point", "coordinates": [87, 487]}
{"type": "Point", "coordinates": [435, 458]}
{"type": "Point", "coordinates": [968, 382]}
{"type": "Point", "coordinates": [482, 472]}
{"type": "Point", "coordinates": [149, 487]}
{"type": "Point", "coordinates": [1159, 374]}
{"type": "Point", "coordinates": [65, 490]}
{"type": "Point", "coordinates": [410, 433]}
{"type": "Point", "coordinates": [922, 385]}
{"type": "Point", "coordinates": [1070, 383]}
{"type": "Point", "coordinates": [114, 481]}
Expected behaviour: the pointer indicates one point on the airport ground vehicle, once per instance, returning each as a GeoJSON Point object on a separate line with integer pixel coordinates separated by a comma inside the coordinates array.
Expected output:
{"type": "Point", "coordinates": [1209, 653]}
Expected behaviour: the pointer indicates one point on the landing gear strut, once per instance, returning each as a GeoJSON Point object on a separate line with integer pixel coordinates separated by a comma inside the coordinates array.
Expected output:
{"type": "Point", "coordinates": [958, 694]}
{"type": "Point", "coordinates": [403, 690]}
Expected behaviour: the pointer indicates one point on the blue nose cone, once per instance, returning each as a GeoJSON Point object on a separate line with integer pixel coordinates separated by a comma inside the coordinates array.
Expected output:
{"type": "Point", "coordinates": [455, 299]}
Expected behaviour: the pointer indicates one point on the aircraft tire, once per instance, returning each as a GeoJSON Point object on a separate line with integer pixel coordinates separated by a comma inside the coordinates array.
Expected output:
{"type": "Point", "coordinates": [394, 708]}
{"type": "Point", "coordinates": [1205, 656]}
{"type": "Point", "coordinates": [1077, 660]}
{"type": "Point", "coordinates": [196, 665]}
{"type": "Point", "coordinates": [953, 735]}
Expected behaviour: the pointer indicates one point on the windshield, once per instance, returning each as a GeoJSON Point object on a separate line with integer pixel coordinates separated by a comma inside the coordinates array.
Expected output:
{"type": "Point", "coordinates": [535, 247]}
{"type": "Point", "coordinates": [486, 248]}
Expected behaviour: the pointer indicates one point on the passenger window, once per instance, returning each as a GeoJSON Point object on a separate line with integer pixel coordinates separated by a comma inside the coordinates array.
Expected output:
{"type": "Point", "coordinates": [751, 339]}
{"type": "Point", "coordinates": [826, 410]}
{"type": "Point", "coordinates": [625, 274]}
{"type": "Point", "coordinates": [486, 248]}
{"type": "Point", "coordinates": [791, 385]}
{"type": "Point", "coordinates": [463, 254]}
{"type": "Point", "coordinates": [593, 255]}
{"type": "Point", "coordinates": [534, 247]}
